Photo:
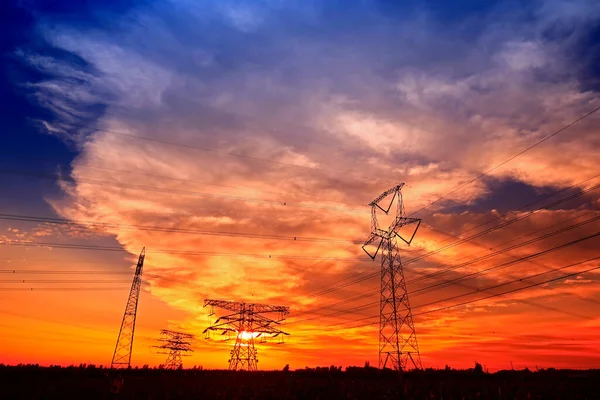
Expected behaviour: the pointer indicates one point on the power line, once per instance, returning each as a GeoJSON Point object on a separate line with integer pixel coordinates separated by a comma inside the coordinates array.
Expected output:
{"type": "Point", "coordinates": [424, 276]}
{"type": "Point", "coordinates": [528, 242]}
{"type": "Point", "coordinates": [468, 230]}
{"type": "Point", "coordinates": [203, 182]}
{"type": "Point", "coordinates": [444, 196]}
{"type": "Point", "coordinates": [506, 264]}
{"type": "Point", "coordinates": [70, 281]}
{"type": "Point", "coordinates": [448, 194]}
{"type": "Point", "coordinates": [509, 283]}
{"type": "Point", "coordinates": [329, 288]}
{"type": "Point", "coordinates": [8, 260]}
{"type": "Point", "coordinates": [63, 272]}
{"type": "Point", "coordinates": [514, 290]}
{"type": "Point", "coordinates": [62, 221]}
{"type": "Point", "coordinates": [183, 252]}
{"type": "Point", "coordinates": [526, 206]}
{"type": "Point", "coordinates": [38, 175]}
{"type": "Point", "coordinates": [498, 266]}
{"type": "Point", "coordinates": [486, 248]}
{"type": "Point", "coordinates": [498, 217]}
{"type": "Point", "coordinates": [501, 251]}
{"type": "Point", "coordinates": [61, 323]}
{"type": "Point", "coordinates": [509, 159]}
{"type": "Point", "coordinates": [187, 282]}
{"type": "Point", "coordinates": [506, 223]}
{"type": "Point", "coordinates": [490, 296]}
{"type": "Point", "coordinates": [346, 301]}
{"type": "Point", "coordinates": [464, 264]}
{"type": "Point", "coordinates": [62, 289]}
{"type": "Point", "coordinates": [590, 300]}
{"type": "Point", "coordinates": [471, 261]}
{"type": "Point", "coordinates": [489, 221]}
{"type": "Point", "coordinates": [45, 334]}
{"type": "Point", "coordinates": [84, 272]}
{"type": "Point", "coordinates": [204, 149]}
{"type": "Point", "coordinates": [362, 296]}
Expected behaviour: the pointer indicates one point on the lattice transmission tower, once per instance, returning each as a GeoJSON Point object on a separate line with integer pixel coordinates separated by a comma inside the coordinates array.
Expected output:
{"type": "Point", "coordinates": [175, 345]}
{"type": "Point", "coordinates": [247, 322]}
{"type": "Point", "coordinates": [397, 337]}
{"type": "Point", "coordinates": [122, 355]}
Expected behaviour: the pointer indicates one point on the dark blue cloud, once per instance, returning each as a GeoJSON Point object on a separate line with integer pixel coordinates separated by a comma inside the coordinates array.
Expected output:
{"type": "Point", "coordinates": [506, 195]}
{"type": "Point", "coordinates": [588, 54]}
{"type": "Point", "coordinates": [83, 13]}
{"type": "Point", "coordinates": [22, 145]}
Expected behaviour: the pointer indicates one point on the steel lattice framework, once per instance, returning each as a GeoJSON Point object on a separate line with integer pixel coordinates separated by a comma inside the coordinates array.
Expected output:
{"type": "Point", "coordinates": [175, 345]}
{"type": "Point", "coordinates": [122, 355]}
{"type": "Point", "coordinates": [397, 336]}
{"type": "Point", "coordinates": [248, 323]}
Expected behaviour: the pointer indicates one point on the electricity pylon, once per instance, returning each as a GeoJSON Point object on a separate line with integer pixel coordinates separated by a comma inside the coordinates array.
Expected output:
{"type": "Point", "coordinates": [122, 355]}
{"type": "Point", "coordinates": [397, 336]}
{"type": "Point", "coordinates": [247, 322]}
{"type": "Point", "coordinates": [178, 344]}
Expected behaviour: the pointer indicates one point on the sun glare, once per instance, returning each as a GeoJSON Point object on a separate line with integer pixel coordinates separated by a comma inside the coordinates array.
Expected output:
{"type": "Point", "coordinates": [245, 335]}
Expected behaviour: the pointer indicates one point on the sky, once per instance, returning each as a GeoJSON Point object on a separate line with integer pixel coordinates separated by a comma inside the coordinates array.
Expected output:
{"type": "Point", "coordinates": [240, 142]}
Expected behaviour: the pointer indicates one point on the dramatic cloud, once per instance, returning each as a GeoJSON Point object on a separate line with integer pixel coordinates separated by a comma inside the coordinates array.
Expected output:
{"type": "Point", "coordinates": [277, 118]}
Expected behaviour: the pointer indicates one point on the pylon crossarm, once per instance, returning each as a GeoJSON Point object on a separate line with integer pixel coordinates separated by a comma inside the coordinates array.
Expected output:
{"type": "Point", "coordinates": [261, 308]}
{"type": "Point", "coordinates": [381, 233]}
{"type": "Point", "coordinates": [140, 264]}
{"type": "Point", "coordinates": [175, 345]}
{"type": "Point", "coordinates": [268, 330]}
{"type": "Point", "coordinates": [265, 320]}
{"type": "Point", "coordinates": [247, 317]}
{"type": "Point", "coordinates": [368, 242]}
{"type": "Point", "coordinates": [225, 304]}
{"type": "Point", "coordinates": [228, 318]}
{"type": "Point", "coordinates": [223, 327]}
{"type": "Point", "coordinates": [239, 307]}
{"type": "Point", "coordinates": [387, 210]}
{"type": "Point", "coordinates": [394, 190]}
{"type": "Point", "coordinates": [180, 335]}
{"type": "Point", "coordinates": [400, 222]}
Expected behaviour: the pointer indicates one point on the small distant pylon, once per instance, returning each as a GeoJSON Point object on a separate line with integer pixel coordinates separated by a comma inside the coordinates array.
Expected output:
{"type": "Point", "coordinates": [122, 355]}
{"type": "Point", "coordinates": [247, 323]}
{"type": "Point", "coordinates": [397, 336]}
{"type": "Point", "coordinates": [175, 345]}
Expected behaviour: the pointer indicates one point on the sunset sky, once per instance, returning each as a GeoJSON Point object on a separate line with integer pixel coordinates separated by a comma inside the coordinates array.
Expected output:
{"type": "Point", "coordinates": [241, 141]}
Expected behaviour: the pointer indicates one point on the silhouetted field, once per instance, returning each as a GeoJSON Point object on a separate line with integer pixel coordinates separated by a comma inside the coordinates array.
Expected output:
{"type": "Point", "coordinates": [31, 382]}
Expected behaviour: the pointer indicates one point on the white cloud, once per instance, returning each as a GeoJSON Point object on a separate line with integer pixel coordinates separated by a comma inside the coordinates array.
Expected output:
{"type": "Point", "coordinates": [520, 56]}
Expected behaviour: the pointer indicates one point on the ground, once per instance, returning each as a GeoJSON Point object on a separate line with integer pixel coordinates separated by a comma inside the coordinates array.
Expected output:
{"type": "Point", "coordinates": [31, 382]}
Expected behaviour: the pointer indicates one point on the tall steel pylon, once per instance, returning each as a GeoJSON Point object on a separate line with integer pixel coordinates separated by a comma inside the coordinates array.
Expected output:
{"type": "Point", "coordinates": [175, 345]}
{"type": "Point", "coordinates": [397, 336]}
{"type": "Point", "coordinates": [247, 323]}
{"type": "Point", "coordinates": [122, 355]}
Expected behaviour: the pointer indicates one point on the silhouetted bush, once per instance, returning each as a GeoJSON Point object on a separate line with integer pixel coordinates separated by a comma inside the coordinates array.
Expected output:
{"type": "Point", "coordinates": [92, 382]}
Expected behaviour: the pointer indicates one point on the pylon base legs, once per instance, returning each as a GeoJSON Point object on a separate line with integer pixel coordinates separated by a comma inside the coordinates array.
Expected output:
{"type": "Point", "coordinates": [243, 356]}
{"type": "Point", "coordinates": [398, 348]}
